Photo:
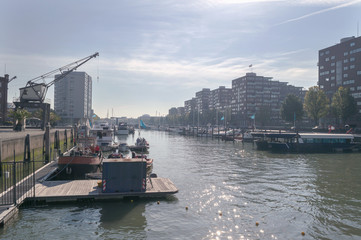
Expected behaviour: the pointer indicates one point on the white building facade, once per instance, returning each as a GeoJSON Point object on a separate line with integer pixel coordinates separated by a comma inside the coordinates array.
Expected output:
{"type": "Point", "coordinates": [73, 97]}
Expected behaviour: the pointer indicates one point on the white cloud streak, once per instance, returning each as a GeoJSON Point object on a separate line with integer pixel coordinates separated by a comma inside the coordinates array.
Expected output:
{"type": "Point", "coordinates": [345, 4]}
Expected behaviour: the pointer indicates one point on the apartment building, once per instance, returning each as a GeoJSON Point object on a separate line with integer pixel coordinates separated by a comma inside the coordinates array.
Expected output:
{"type": "Point", "coordinates": [203, 100]}
{"type": "Point", "coordinates": [340, 65]}
{"type": "Point", "coordinates": [252, 94]}
{"type": "Point", "coordinates": [220, 98]}
{"type": "Point", "coordinates": [73, 97]}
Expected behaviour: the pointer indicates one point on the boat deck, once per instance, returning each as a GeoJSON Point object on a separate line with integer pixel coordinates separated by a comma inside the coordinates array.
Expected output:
{"type": "Point", "coordinates": [74, 190]}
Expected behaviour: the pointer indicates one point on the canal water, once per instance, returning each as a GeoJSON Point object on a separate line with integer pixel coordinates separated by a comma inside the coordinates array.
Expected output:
{"type": "Point", "coordinates": [226, 191]}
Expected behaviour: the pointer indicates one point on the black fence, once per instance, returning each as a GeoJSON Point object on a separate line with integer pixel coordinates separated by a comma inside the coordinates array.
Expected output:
{"type": "Point", "coordinates": [17, 181]}
{"type": "Point", "coordinates": [17, 178]}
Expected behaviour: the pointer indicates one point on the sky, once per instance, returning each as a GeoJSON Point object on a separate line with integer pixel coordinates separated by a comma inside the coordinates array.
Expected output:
{"type": "Point", "coordinates": [156, 54]}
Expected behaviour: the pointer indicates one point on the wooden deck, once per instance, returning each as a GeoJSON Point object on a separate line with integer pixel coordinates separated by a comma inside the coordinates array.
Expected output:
{"type": "Point", "coordinates": [74, 190]}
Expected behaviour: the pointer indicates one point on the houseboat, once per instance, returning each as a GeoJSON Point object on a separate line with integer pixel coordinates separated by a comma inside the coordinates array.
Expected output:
{"type": "Point", "coordinates": [307, 142]}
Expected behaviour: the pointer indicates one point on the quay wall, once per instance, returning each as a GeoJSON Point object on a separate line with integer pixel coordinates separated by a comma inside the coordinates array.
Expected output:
{"type": "Point", "coordinates": [17, 143]}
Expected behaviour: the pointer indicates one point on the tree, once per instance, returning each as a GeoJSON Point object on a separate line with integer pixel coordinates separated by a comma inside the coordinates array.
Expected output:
{"type": "Point", "coordinates": [19, 115]}
{"type": "Point", "coordinates": [54, 118]}
{"type": "Point", "coordinates": [291, 109]}
{"type": "Point", "coordinates": [343, 104]}
{"type": "Point", "coordinates": [316, 104]}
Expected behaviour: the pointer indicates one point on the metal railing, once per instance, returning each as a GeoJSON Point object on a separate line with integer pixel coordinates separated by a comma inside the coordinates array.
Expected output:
{"type": "Point", "coordinates": [17, 181]}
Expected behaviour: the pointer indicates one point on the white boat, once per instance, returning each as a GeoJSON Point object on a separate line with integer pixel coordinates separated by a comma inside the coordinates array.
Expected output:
{"type": "Point", "coordinates": [122, 129]}
{"type": "Point", "coordinates": [104, 136]}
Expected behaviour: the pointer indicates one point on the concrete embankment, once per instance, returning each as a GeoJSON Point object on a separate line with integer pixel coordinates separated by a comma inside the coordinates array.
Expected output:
{"type": "Point", "coordinates": [11, 140]}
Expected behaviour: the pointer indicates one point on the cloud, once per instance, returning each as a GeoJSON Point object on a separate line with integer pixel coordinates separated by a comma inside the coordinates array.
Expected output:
{"type": "Point", "coordinates": [342, 5]}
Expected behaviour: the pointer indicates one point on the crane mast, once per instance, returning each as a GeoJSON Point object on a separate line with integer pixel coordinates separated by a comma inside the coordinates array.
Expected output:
{"type": "Point", "coordinates": [35, 92]}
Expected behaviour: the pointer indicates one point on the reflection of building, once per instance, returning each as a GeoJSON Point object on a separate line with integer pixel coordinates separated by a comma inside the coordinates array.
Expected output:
{"type": "Point", "coordinates": [340, 65]}
{"type": "Point", "coordinates": [130, 217]}
{"type": "Point", "coordinates": [73, 97]}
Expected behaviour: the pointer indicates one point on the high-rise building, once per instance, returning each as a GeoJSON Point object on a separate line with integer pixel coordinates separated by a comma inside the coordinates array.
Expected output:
{"type": "Point", "coordinates": [220, 98]}
{"type": "Point", "coordinates": [203, 99]}
{"type": "Point", "coordinates": [340, 65]}
{"type": "Point", "coordinates": [73, 97]}
{"type": "Point", "coordinates": [252, 95]}
{"type": "Point", "coordinates": [190, 105]}
{"type": "Point", "coordinates": [3, 97]}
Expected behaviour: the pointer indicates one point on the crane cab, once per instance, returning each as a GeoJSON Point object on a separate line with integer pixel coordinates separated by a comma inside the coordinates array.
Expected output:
{"type": "Point", "coordinates": [33, 93]}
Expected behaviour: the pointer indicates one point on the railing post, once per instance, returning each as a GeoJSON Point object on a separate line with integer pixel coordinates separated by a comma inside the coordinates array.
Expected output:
{"type": "Point", "coordinates": [1, 166]}
{"type": "Point", "coordinates": [33, 174]}
{"type": "Point", "coordinates": [47, 144]}
{"type": "Point", "coordinates": [14, 180]}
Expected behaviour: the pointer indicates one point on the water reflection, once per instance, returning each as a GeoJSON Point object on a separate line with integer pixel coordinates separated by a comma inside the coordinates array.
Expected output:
{"type": "Point", "coordinates": [125, 218]}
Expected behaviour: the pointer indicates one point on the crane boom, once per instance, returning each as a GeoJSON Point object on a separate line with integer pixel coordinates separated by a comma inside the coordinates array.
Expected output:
{"type": "Point", "coordinates": [36, 92]}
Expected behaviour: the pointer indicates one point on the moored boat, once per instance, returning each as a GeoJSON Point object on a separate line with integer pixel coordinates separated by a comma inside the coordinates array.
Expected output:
{"type": "Point", "coordinates": [308, 143]}
{"type": "Point", "coordinates": [79, 161]}
{"type": "Point", "coordinates": [104, 136]}
{"type": "Point", "coordinates": [140, 145]}
{"type": "Point", "coordinates": [122, 129]}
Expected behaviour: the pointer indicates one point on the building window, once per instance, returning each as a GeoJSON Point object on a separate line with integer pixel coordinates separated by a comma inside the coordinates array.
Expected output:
{"type": "Point", "coordinates": [321, 54]}
{"type": "Point", "coordinates": [352, 66]}
{"type": "Point", "coordinates": [332, 70]}
{"type": "Point", "coordinates": [352, 89]}
{"type": "Point", "coordinates": [327, 52]}
{"type": "Point", "coordinates": [345, 53]}
{"type": "Point", "coordinates": [352, 59]}
{"type": "Point", "coordinates": [356, 95]}
{"type": "Point", "coordinates": [332, 64]}
{"type": "Point", "coordinates": [358, 72]}
{"type": "Point", "coordinates": [345, 61]}
{"type": "Point", "coordinates": [352, 44]}
{"type": "Point", "coordinates": [333, 57]}
{"type": "Point", "coordinates": [327, 59]}
{"type": "Point", "coordinates": [348, 82]}
{"type": "Point", "coordinates": [355, 51]}
{"type": "Point", "coordinates": [345, 68]}
{"type": "Point", "coordinates": [321, 67]}
{"type": "Point", "coordinates": [345, 75]}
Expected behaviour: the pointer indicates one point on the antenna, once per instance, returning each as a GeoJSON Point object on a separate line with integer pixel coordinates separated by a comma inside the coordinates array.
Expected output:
{"type": "Point", "coordinates": [98, 71]}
